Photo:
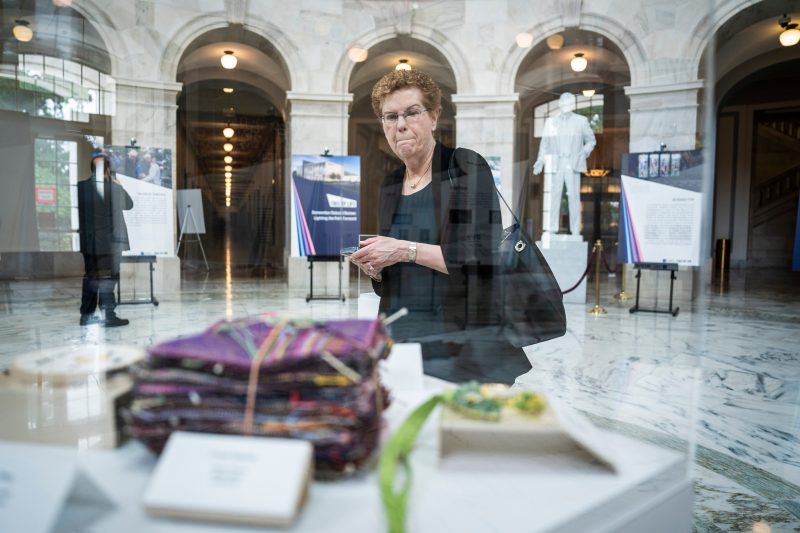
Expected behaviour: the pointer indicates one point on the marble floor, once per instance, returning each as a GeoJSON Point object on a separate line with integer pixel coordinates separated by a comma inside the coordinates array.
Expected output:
{"type": "Point", "coordinates": [720, 382]}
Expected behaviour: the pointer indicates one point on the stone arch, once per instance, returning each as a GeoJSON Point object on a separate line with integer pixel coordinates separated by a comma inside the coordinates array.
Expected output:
{"type": "Point", "coordinates": [630, 46]}
{"type": "Point", "coordinates": [105, 27]}
{"type": "Point", "coordinates": [431, 36]}
{"type": "Point", "coordinates": [708, 26]}
{"type": "Point", "coordinates": [183, 38]}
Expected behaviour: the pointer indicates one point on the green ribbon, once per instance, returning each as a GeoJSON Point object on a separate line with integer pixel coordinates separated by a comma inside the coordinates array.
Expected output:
{"type": "Point", "coordinates": [396, 452]}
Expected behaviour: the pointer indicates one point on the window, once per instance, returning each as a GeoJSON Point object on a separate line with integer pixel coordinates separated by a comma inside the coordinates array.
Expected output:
{"type": "Point", "coordinates": [56, 195]}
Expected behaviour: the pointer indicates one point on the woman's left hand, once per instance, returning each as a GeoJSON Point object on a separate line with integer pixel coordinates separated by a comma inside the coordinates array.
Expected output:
{"type": "Point", "coordinates": [377, 253]}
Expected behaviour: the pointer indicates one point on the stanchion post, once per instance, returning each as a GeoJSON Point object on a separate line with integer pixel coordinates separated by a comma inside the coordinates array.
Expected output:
{"type": "Point", "coordinates": [597, 310]}
{"type": "Point", "coordinates": [622, 295]}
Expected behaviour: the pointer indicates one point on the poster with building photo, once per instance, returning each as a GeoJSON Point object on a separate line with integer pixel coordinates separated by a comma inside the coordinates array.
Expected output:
{"type": "Point", "coordinates": [326, 191]}
{"type": "Point", "coordinates": [660, 216]}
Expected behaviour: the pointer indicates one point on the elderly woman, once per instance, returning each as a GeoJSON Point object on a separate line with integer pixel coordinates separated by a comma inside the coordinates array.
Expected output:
{"type": "Point", "coordinates": [439, 224]}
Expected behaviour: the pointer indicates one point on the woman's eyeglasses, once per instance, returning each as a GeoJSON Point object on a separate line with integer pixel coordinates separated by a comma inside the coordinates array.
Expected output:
{"type": "Point", "coordinates": [412, 115]}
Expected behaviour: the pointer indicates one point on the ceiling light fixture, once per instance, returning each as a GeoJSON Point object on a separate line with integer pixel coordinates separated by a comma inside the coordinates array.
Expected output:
{"type": "Point", "coordinates": [228, 132]}
{"type": "Point", "coordinates": [790, 35]}
{"type": "Point", "coordinates": [357, 54]}
{"type": "Point", "coordinates": [403, 65]}
{"type": "Point", "coordinates": [228, 175]}
{"type": "Point", "coordinates": [227, 90]}
{"type": "Point", "coordinates": [588, 93]}
{"type": "Point", "coordinates": [62, 3]}
{"type": "Point", "coordinates": [578, 63]}
{"type": "Point", "coordinates": [228, 159]}
{"type": "Point", "coordinates": [228, 147]}
{"type": "Point", "coordinates": [228, 60]}
{"type": "Point", "coordinates": [524, 40]}
{"type": "Point", "coordinates": [227, 202]}
{"type": "Point", "coordinates": [22, 30]}
{"type": "Point", "coordinates": [555, 41]}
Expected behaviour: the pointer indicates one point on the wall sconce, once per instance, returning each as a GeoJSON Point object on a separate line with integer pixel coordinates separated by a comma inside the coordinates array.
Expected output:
{"type": "Point", "coordinates": [228, 159]}
{"type": "Point", "coordinates": [227, 90]}
{"type": "Point", "coordinates": [403, 65]}
{"type": "Point", "coordinates": [22, 30]}
{"type": "Point", "coordinates": [228, 60]}
{"type": "Point", "coordinates": [578, 63]}
{"type": "Point", "coordinates": [228, 176]}
{"type": "Point", "coordinates": [790, 35]}
{"type": "Point", "coordinates": [228, 147]}
{"type": "Point", "coordinates": [555, 41]}
{"type": "Point", "coordinates": [228, 168]}
{"type": "Point", "coordinates": [524, 40]}
{"type": "Point", "coordinates": [357, 55]}
{"type": "Point", "coordinates": [228, 132]}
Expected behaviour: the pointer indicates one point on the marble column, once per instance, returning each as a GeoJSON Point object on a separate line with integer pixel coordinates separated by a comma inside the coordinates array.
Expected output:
{"type": "Point", "coordinates": [485, 123]}
{"type": "Point", "coordinates": [665, 114]}
{"type": "Point", "coordinates": [317, 121]}
{"type": "Point", "coordinates": [147, 111]}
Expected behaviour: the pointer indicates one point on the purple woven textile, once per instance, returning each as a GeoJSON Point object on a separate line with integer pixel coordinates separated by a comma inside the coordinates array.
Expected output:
{"type": "Point", "coordinates": [200, 383]}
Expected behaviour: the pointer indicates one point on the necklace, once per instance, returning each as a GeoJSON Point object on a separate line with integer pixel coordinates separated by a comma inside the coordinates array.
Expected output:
{"type": "Point", "coordinates": [414, 185]}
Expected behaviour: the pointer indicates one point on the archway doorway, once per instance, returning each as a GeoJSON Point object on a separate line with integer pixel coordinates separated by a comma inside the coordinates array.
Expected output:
{"type": "Point", "coordinates": [757, 162]}
{"type": "Point", "coordinates": [57, 99]}
{"type": "Point", "coordinates": [242, 184]}
{"type": "Point", "coordinates": [365, 133]}
{"type": "Point", "coordinates": [543, 76]}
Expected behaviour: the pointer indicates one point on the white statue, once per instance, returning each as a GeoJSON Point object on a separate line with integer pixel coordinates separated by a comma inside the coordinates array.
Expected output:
{"type": "Point", "coordinates": [567, 141]}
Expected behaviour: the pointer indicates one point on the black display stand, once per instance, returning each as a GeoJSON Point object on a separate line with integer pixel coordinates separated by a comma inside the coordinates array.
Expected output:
{"type": "Point", "coordinates": [323, 259]}
{"type": "Point", "coordinates": [150, 259]}
{"type": "Point", "coordinates": [672, 267]}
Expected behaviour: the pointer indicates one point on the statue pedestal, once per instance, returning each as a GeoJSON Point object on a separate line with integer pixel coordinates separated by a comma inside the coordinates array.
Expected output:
{"type": "Point", "coordinates": [567, 256]}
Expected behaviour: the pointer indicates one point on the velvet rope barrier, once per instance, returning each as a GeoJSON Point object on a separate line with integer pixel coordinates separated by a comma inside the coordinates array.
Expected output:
{"type": "Point", "coordinates": [583, 276]}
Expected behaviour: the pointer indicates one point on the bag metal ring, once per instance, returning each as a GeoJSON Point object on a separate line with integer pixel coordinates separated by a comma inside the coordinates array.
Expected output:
{"type": "Point", "coordinates": [519, 246]}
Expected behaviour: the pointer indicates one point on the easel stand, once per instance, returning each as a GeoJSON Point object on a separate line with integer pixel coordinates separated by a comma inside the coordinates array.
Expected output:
{"type": "Point", "coordinates": [186, 216]}
{"type": "Point", "coordinates": [672, 267]}
{"type": "Point", "coordinates": [323, 259]}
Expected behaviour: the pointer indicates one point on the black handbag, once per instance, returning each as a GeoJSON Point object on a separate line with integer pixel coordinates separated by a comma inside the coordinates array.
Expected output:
{"type": "Point", "coordinates": [526, 297]}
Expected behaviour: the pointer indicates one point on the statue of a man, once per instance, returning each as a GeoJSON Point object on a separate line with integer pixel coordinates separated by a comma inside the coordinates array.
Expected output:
{"type": "Point", "coordinates": [567, 141]}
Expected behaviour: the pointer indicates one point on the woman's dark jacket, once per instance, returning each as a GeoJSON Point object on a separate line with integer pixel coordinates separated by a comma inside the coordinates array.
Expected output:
{"type": "Point", "coordinates": [468, 211]}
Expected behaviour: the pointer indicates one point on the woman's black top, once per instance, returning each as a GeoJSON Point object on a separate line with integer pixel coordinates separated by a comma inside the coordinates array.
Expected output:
{"type": "Point", "coordinates": [410, 285]}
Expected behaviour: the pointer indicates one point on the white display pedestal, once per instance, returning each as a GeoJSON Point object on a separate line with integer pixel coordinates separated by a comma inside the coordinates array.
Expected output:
{"type": "Point", "coordinates": [567, 257]}
{"type": "Point", "coordinates": [559, 492]}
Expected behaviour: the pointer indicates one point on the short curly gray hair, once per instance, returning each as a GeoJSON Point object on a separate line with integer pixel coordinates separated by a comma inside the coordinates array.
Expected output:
{"type": "Point", "coordinates": [403, 79]}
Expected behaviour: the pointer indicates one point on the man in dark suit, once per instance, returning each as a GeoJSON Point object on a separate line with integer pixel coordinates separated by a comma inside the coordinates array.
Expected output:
{"type": "Point", "coordinates": [103, 238]}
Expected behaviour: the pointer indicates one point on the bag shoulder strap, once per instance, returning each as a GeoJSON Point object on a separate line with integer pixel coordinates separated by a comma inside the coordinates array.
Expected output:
{"type": "Point", "coordinates": [522, 192]}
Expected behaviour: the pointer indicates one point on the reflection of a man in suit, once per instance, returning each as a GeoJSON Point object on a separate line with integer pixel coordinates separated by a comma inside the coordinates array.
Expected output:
{"type": "Point", "coordinates": [567, 141]}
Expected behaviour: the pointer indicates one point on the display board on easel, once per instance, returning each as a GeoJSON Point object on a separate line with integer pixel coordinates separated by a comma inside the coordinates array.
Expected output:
{"type": "Point", "coordinates": [190, 216]}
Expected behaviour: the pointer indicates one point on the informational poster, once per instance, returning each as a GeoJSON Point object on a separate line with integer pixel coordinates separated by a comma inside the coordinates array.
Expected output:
{"type": "Point", "coordinates": [661, 208]}
{"type": "Point", "coordinates": [326, 191]}
{"type": "Point", "coordinates": [150, 222]}
{"type": "Point", "coordinates": [151, 165]}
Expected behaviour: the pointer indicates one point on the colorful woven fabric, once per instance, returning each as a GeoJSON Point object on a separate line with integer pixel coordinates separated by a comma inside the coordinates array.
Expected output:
{"type": "Point", "coordinates": [310, 380]}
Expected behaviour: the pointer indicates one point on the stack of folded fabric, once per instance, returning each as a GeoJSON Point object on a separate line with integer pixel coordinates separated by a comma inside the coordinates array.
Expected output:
{"type": "Point", "coordinates": [266, 376]}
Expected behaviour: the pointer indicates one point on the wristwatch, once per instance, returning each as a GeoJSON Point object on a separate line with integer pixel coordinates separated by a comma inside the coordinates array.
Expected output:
{"type": "Point", "coordinates": [412, 252]}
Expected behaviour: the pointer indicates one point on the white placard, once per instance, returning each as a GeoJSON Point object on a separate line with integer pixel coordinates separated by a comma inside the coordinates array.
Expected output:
{"type": "Point", "coordinates": [150, 222]}
{"type": "Point", "coordinates": [664, 222]}
{"type": "Point", "coordinates": [35, 481]}
{"type": "Point", "coordinates": [226, 478]}
{"type": "Point", "coordinates": [193, 223]}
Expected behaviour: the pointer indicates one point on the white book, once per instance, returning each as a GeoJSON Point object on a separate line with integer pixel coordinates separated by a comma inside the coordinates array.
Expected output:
{"type": "Point", "coordinates": [226, 478]}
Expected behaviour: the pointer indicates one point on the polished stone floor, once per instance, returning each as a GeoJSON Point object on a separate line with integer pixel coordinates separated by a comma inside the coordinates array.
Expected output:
{"type": "Point", "coordinates": [720, 382]}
